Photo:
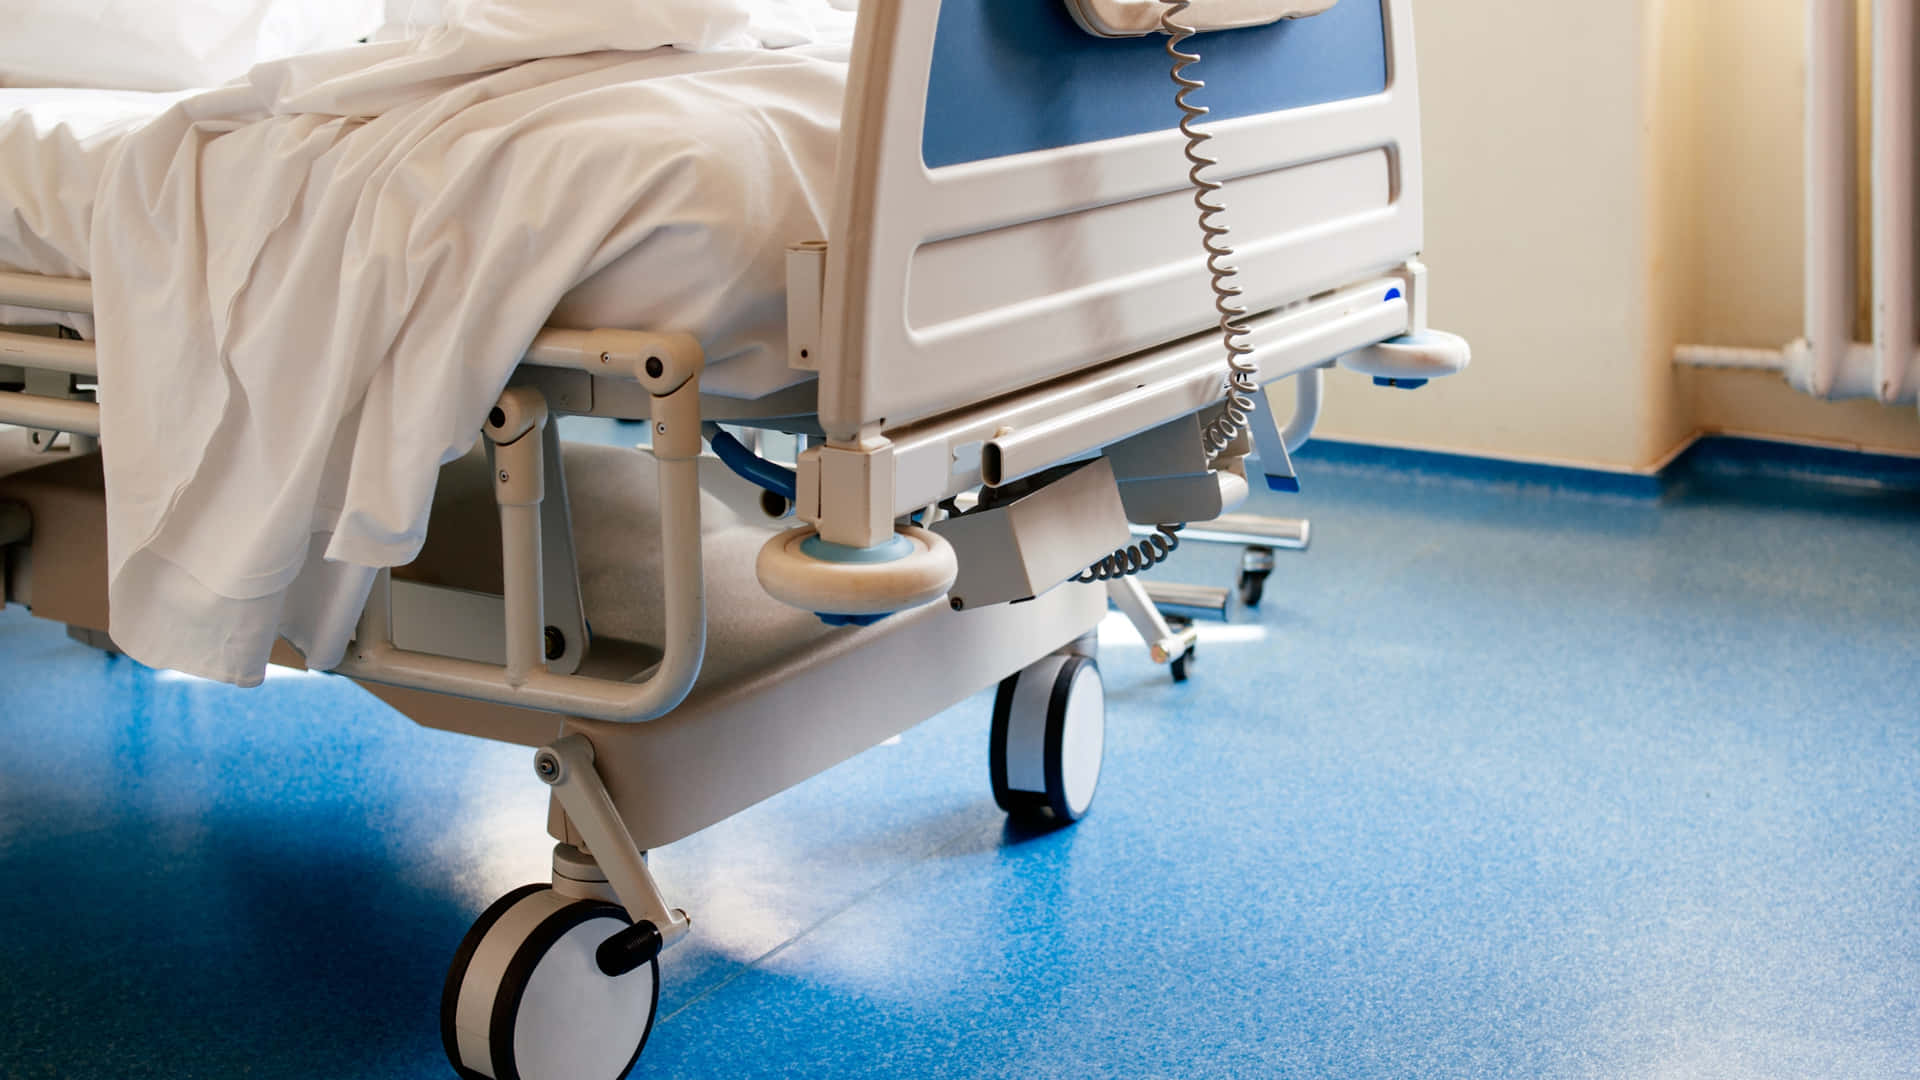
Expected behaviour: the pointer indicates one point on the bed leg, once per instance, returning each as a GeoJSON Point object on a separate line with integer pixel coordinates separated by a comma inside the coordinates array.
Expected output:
{"type": "Point", "coordinates": [566, 765]}
{"type": "Point", "coordinates": [516, 427]}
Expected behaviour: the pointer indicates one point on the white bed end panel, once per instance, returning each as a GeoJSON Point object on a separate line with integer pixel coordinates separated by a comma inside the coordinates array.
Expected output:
{"type": "Point", "coordinates": [952, 285]}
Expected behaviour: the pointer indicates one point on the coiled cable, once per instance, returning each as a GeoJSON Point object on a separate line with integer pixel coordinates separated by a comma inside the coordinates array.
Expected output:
{"type": "Point", "coordinates": [1135, 558]}
{"type": "Point", "coordinates": [1242, 375]}
{"type": "Point", "coordinates": [1243, 386]}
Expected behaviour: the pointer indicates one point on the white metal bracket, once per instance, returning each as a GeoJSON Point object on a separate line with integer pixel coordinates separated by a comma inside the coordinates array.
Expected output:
{"type": "Point", "coordinates": [1164, 644]}
{"type": "Point", "coordinates": [806, 296]}
{"type": "Point", "coordinates": [846, 491]}
{"type": "Point", "coordinates": [566, 765]}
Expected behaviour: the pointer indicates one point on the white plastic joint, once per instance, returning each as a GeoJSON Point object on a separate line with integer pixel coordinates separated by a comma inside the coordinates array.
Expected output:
{"type": "Point", "coordinates": [514, 426]}
{"type": "Point", "coordinates": [847, 491]}
{"type": "Point", "coordinates": [662, 363]}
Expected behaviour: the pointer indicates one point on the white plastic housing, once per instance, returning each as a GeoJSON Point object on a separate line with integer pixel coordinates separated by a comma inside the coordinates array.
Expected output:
{"type": "Point", "coordinates": [1136, 18]}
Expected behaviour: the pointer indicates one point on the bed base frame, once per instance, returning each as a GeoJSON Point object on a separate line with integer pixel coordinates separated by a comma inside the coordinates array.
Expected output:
{"type": "Point", "coordinates": [1110, 349]}
{"type": "Point", "coordinates": [994, 443]}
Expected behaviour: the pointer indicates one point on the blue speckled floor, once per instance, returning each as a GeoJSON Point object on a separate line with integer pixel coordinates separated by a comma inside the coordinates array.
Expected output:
{"type": "Point", "coordinates": [1500, 783]}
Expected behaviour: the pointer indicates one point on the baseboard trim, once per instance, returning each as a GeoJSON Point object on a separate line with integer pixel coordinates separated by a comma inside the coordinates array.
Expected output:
{"type": "Point", "coordinates": [1722, 458]}
{"type": "Point", "coordinates": [1472, 468]}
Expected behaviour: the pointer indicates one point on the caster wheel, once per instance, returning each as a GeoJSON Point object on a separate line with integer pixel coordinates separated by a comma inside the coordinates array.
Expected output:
{"type": "Point", "coordinates": [1049, 735]}
{"type": "Point", "coordinates": [1252, 587]}
{"type": "Point", "coordinates": [1180, 665]}
{"type": "Point", "coordinates": [1256, 562]}
{"type": "Point", "coordinates": [525, 998]}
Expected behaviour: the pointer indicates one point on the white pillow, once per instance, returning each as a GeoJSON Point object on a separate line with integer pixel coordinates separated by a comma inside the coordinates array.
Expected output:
{"type": "Point", "coordinates": [167, 44]}
{"type": "Point", "coordinates": [411, 18]}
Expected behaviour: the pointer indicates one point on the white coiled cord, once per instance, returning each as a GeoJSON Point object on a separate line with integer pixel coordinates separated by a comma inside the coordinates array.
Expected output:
{"type": "Point", "coordinates": [1243, 386]}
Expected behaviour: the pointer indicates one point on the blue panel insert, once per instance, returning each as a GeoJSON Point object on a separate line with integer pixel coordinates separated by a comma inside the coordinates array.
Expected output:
{"type": "Point", "coordinates": [1013, 76]}
{"type": "Point", "coordinates": [893, 550]}
{"type": "Point", "coordinates": [848, 620]}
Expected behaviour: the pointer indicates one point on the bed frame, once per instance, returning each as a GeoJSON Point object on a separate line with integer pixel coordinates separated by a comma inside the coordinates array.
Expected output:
{"type": "Point", "coordinates": [1093, 329]}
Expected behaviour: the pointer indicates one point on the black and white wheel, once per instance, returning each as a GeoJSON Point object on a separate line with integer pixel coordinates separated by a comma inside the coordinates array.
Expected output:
{"type": "Point", "coordinates": [1180, 665]}
{"type": "Point", "coordinates": [1256, 562]}
{"type": "Point", "coordinates": [525, 998]}
{"type": "Point", "coordinates": [1252, 587]}
{"type": "Point", "coordinates": [1049, 735]}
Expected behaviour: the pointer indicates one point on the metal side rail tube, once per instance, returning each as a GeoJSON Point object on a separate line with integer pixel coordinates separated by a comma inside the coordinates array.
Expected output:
{"type": "Point", "coordinates": [676, 445]}
{"type": "Point", "coordinates": [47, 353]}
{"type": "Point", "coordinates": [1023, 451]}
{"type": "Point", "coordinates": [1286, 534]}
{"type": "Point", "coordinates": [942, 455]}
{"type": "Point", "coordinates": [73, 295]}
{"type": "Point", "coordinates": [51, 414]}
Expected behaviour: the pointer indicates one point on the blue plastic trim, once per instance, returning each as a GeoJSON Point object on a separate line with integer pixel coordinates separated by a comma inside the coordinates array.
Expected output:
{"type": "Point", "coordinates": [1729, 459]}
{"type": "Point", "coordinates": [1289, 485]}
{"type": "Point", "coordinates": [1720, 462]}
{"type": "Point", "coordinates": [1015, 76]}
{"type": "Point", "coordinates": [1399, 384]}
{"type": "Point", "coordinates": [1436, 465]}
{"type": "Point", "coordinates": [1394, 294]}
{"type": "Point", "coordinates": [892, 551]}
{"type": "Point", "coordinates": [848, 620]}
{"type": "Point", "coordinates": [754, 468]}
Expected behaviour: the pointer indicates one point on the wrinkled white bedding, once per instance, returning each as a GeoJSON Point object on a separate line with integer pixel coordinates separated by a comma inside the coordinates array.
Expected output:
{"type": "Point", "coordinates": [312, 284]}
{"type": "Point", "coordinates": [167, 44]}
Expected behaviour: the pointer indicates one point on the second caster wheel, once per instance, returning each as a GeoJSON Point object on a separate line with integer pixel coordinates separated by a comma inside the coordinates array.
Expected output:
{"type": "Point", "coordinates": [525, 998]}
{"type": "Point", "coordinates": [1049, 737]}
{"type": "Point", "coordinates": [1256, 562]}
{"type": "Point", "coordinates": [1182, 663]}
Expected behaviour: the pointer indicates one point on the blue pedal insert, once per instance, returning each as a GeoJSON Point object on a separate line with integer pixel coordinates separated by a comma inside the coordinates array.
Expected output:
{"type": "Point", "coordinates": [1399, 384]}
{"type": "Point", "coordinates": [848, 620]}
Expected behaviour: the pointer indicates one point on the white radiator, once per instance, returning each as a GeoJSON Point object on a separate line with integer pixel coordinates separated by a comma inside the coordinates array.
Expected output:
{"type": "Point", "coordinates": [1828, 362]}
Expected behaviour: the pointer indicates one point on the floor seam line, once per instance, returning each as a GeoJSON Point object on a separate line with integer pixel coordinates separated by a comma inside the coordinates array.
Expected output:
{"type": "Point", "coordinates": [818, 923]}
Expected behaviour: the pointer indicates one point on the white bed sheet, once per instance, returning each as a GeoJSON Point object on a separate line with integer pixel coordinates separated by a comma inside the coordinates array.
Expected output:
{"type": "Point", "coordinates": [711, 260]}
{"type": "Point", "coordinates": [314, 282]}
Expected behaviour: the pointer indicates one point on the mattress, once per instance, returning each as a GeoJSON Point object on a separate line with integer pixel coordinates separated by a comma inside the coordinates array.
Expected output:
{"type": "Point", "coordinates": [753, 175]}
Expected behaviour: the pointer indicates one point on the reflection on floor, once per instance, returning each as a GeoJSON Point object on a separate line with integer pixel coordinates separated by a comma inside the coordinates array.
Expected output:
{"type": "Point", "coordinates": [1499, 782]}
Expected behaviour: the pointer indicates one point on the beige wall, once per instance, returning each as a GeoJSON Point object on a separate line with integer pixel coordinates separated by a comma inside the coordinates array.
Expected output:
{"type": "Point", "coordinates": [1605, 182]}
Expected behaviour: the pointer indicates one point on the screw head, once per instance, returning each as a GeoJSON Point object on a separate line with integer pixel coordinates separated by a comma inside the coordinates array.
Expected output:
{"type": "Point", "coordinates": [655, 367]}
{"type": "Point", "coordinates": [547, 765]}
{"type": "Point", "coordinates": [660, 428]}
{"type": "Point", "coordinates": [503, 476]}
{"type": "Point", "coordinates": [956, 603]}
{"type": "Point", "coordinates": [606, 358]}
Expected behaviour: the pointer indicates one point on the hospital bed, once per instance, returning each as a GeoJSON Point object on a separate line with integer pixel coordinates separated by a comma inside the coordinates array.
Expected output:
{"type": "Point", "coordinates": [1004, 351]}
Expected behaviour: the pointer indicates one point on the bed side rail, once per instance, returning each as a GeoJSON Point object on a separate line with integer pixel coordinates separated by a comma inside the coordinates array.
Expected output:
{"type": "Point", "coordinates": [603, 353]}
{"type": "Point", "coordinates": [1013, 202]}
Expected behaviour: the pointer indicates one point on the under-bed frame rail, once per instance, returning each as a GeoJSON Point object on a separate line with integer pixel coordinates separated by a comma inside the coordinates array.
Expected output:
{"type": "Point", "coordinates": [666, 366]}
{"type": "Point", "coordinates": [611, 353]}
